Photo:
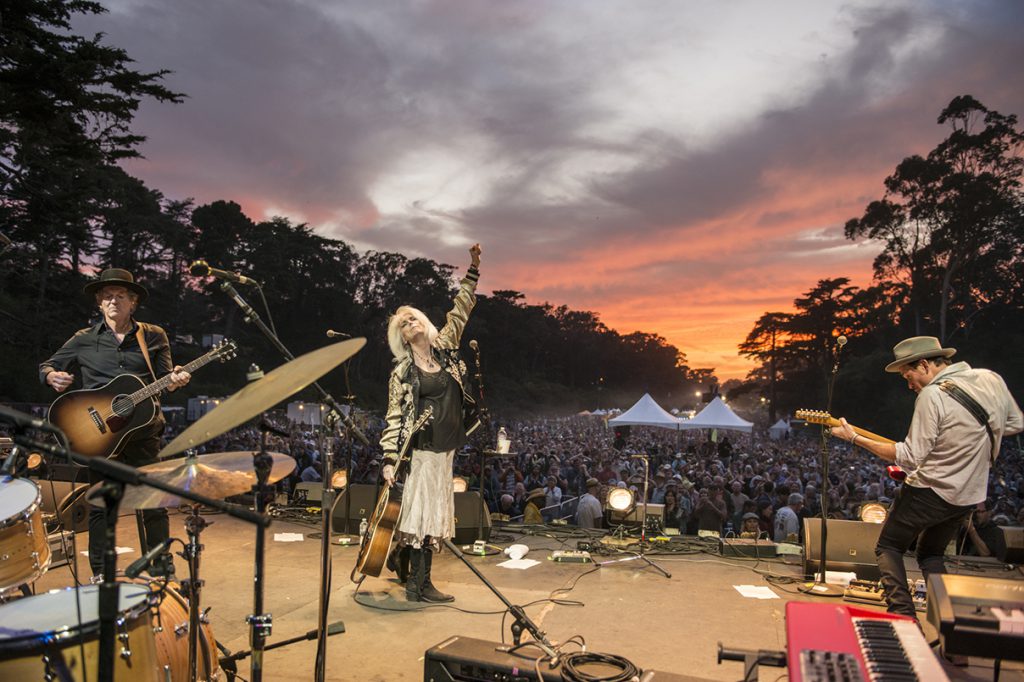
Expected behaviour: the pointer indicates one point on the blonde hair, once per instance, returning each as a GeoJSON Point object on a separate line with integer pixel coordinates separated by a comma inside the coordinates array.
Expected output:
{"type": "Point", "coordinates": [399, 348]}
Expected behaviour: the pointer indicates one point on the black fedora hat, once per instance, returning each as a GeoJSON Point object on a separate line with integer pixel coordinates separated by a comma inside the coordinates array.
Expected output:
{"type": "Point", "coordinates": [116, 277]}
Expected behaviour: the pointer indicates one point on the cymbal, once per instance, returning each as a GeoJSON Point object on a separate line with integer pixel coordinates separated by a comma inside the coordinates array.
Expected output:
{"type": "Point", "coordinates": [263, 394]}
{"type": "Point", "coordinates": [217, 475]}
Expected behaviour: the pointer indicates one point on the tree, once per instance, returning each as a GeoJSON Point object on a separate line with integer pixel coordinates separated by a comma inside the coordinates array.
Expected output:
{"type": "Point", "coordinates": [762, 344]}
{"type": "Point", "coordinates": [946, 217]}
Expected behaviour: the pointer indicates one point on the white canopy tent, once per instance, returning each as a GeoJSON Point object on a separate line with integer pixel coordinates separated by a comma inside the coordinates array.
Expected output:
{"type": "Point", "coordinates": [646, 412]}
{"type": "Point", "coordinates": [779, 429]}
{"type": "Point", "coordinates": [717, 415]}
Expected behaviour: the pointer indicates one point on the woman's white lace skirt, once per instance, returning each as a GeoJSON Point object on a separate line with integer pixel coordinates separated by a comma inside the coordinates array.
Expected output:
{"type": "Point", "coordinates": [428, 498]}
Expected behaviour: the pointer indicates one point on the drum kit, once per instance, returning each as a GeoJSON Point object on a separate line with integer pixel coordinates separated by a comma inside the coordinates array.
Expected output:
{"type": "Point", "coordinates": [57, 635]}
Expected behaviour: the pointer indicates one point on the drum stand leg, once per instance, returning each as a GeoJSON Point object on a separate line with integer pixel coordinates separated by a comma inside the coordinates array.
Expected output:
{"type": "Point", "coordinates": [112, 492]}
{"type": "Point", "coordinates": [260, 623]}
{"type": "Point", "coordinates": [191, 588]}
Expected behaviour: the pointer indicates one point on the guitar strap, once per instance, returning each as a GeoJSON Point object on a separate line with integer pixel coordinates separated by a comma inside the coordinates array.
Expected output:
{"type": "Point", "coordinates": [980, 413]}
{"type": "Point", "coordinates": [141, 336]}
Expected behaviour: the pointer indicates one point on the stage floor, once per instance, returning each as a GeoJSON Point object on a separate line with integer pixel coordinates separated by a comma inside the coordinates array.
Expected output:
{"type": "Point", "coordinates": [671, 625]}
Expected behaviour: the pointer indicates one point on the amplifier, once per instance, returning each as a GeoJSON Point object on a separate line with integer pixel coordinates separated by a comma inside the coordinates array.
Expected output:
{"type": "Point", "coordinates": [474, 660]}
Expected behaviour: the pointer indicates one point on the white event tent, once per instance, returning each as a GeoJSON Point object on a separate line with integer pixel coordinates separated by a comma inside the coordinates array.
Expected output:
{"type": "Point", "coordinates": [717, 415]}
{"type": "Point", "coordinates": [779, 430]}
{"type": "Point", "coordinates": [646, 412]}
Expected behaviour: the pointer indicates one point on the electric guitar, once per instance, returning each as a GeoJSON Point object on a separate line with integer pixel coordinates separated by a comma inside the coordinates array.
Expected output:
{"type": "Point", "coordinates": [373, 553]}
{"type": "Point", "coordinates": [819, 417]}
{"type": "Point", "coordinates": [97, 421]}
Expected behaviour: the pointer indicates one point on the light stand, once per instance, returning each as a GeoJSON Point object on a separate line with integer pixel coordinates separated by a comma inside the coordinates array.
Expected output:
{"type": "Point", "coordinates": [822, 588]}
{"type": "Point", "coordinates": [643, 530]}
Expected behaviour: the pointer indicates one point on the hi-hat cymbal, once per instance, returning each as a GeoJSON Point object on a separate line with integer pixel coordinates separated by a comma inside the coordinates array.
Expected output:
{"type": "Point", "coordinates": [217, 475]}
{"type": "Point", "coordinates": [263, 394]}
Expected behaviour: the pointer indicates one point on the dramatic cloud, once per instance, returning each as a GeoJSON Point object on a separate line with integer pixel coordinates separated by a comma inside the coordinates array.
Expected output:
{"type": "Point", "coordinates": [679, 168]}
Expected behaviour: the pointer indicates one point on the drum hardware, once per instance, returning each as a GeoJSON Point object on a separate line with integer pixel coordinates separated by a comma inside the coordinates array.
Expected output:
{"type": "Point", "coordinates": [257, 397]}
{"type": "Point", "coordinates": [118, 475]}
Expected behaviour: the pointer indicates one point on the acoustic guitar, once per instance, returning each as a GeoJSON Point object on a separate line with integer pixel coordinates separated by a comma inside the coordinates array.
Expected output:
{"type": "Point", "coordinates": [97, 421]}
{"type": "Point", "coordinates": [380, 531]}
{"type": "Point", "coordinates": [896, 473]}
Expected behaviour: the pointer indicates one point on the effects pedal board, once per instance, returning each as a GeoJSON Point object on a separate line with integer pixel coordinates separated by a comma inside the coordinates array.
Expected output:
{"type": "Point", "coordinates": [864, 592]}
{"type": "Point", "coordinates": [570, 556]}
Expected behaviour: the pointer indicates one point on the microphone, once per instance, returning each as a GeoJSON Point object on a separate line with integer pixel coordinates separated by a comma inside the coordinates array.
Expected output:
{"type": "Point", "coordinates": [201, 268]}
{"type": "Point", "coordinates": [25, 421]}
{"type": "Point", "coordinates": [331, 334]}
{"type": "Point", "coordinates": [141, 564]}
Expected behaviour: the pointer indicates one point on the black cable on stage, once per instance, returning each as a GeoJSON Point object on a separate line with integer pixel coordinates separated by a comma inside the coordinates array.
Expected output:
{"type": "Point", "coordinates": [571, 663]}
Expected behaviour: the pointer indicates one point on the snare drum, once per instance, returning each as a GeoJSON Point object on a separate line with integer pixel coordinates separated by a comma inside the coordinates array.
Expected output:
{"type": "Point", "coordinates": [24, 549]}
{"type": "Point", "coordinates": [40, 634]}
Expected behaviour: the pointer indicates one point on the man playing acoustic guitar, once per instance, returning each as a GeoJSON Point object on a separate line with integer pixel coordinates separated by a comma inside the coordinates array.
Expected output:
{"type": "Point", "coordinates": [102, 352]}
{"type": "Point", "coordinates": [960, 417]}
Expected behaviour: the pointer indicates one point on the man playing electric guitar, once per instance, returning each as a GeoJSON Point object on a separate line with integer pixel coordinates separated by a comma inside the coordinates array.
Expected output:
{"type": "Point", "coordinates": [102, 352]}
{"type": "Point", "coordinates": [960, 417]}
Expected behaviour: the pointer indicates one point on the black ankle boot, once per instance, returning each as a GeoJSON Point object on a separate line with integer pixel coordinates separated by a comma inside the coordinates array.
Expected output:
{"type": "Point", "coordinates": [428, 592]}
{"type": "Point", "coordinates": [414, 583]}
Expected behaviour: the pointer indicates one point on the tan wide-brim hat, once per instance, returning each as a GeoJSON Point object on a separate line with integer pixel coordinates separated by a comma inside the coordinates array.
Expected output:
{"type": "Point", "coordinates": [917, 348]}
{"type": "Point", "coordinates": [536, 493]}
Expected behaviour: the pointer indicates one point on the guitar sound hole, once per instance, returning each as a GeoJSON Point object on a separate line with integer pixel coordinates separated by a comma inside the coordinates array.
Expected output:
{"type": "Point", "coordinates": [123, 406]}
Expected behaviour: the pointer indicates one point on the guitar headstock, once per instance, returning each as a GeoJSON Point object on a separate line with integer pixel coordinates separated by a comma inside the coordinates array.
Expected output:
{"type": "Point", "coordinates": [425, 418]}
{"type": "Point", "coordinates": [814, 416]}
{"type": "Point", "coordinates": [224, 351]}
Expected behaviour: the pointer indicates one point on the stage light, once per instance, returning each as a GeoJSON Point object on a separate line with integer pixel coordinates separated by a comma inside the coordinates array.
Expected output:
{"type": "Point", "coordinates": [621, 500]}
{"type": "Point", "coordinates": [460, 484]}
{"type": "Point", "coordinates": [339, 479]}
{"type": "Point", "coordinates": [873, 512]}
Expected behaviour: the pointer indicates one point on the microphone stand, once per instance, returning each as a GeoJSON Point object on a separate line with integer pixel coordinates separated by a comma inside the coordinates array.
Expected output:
{"type": "Point", "coordinates": [485, 417]}
{"type": "Point", "coordinates": [520, 621]}
{"type": "Point", "coordinates": [326, 510]}
{"type": "Point", "coordinates": [117, 475]}
{"type": "Point", "coordinates": [822, 588]}
{"type": "Point", "coordinates": [260, 623]}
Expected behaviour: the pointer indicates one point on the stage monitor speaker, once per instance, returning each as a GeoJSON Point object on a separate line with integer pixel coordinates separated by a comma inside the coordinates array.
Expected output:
{"type": "Point", "coordinates": [469, 509]}
{"type": "Point", "coordinates": [851, 547]}
{"type": "Point", "coordinates": [362, 498]}
{"type": "Point", "coordinates": [1013, 541]}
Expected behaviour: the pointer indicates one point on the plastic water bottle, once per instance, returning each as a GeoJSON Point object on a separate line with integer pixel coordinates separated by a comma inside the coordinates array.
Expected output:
{"type": "Point", "coordinates": [363, 527]}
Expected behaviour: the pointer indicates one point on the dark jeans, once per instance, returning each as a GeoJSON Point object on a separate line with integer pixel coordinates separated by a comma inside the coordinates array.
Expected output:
{"type": "Point", "coordinates": [915, 513]}
{"type": "Point", "coordinates": [140, 450]}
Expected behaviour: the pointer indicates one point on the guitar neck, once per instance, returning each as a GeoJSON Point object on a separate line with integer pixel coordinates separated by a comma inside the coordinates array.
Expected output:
{"type": "Point", "coordinates": [158, 386]}
{"type": "Point", "coordinates": [861, 432]}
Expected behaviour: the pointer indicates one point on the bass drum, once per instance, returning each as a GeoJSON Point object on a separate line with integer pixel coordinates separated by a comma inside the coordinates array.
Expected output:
{"type": "Point", "coordinates": [42, 637]}
{"type": "Point", "coordinates": [170, 625]}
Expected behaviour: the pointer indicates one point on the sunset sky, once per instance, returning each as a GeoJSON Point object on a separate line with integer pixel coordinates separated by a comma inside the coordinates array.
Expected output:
{"type": "Point", "coordinates": [678, 167]}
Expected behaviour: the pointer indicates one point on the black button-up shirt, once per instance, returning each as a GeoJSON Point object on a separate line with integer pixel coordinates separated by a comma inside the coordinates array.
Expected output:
{"type": "Point", "coordinates": [94, 355]}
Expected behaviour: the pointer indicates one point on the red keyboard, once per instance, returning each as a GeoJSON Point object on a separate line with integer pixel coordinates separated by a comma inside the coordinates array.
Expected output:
{"type": "Point", "coordinates": [848, 644]}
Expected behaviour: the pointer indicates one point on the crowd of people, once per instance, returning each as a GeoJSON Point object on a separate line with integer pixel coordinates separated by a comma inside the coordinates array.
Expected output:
{"type": "Point", "coordinates": [706, 481]}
